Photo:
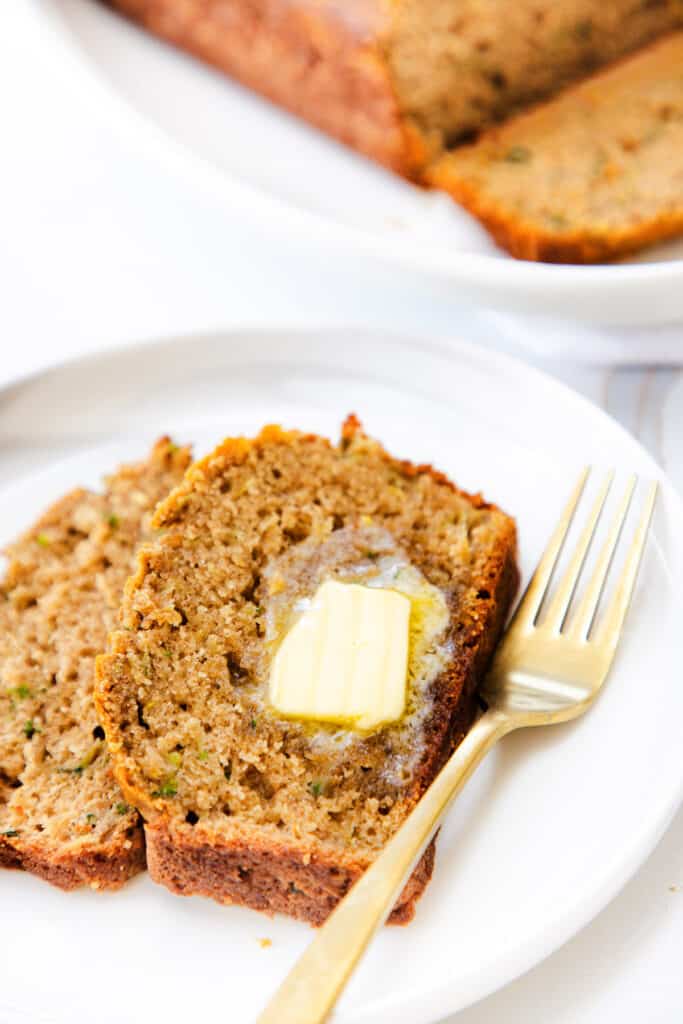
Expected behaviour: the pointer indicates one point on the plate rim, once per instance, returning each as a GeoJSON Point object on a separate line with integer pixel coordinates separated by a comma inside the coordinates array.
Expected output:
{"type": "Point", "coordinates": [522, 281]}
{"type": "Point", "coordinates": [439, 341]}
{"type": "Point", "coordinates": [556, 930]}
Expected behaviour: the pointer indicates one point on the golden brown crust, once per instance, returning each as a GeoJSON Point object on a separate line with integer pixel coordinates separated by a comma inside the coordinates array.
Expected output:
{"type": "Point", "coordinates": [272, 878]}
{"type": "Point", "coordinates": [258, 870]}
{"type": "Point", "coordinates": [9, 858]}
{"type": "Point", "coordinates": [527, 241]}
{"type": "Point", "coordinates": [109, 867]}
{"type": "Point", "coordinates": [320, 62]}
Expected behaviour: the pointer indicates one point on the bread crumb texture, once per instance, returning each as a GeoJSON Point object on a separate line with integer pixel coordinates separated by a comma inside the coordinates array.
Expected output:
{"type": "Point", "coordinates": [62, 814]}
{"type": "Point", "coordinates": [243, 805]}
{"type": "Point", "coordinates": [459, 65]}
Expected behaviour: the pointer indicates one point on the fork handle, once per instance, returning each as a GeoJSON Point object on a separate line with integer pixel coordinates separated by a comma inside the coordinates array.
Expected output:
{"type": "Point", "coordinates": [316, 981]}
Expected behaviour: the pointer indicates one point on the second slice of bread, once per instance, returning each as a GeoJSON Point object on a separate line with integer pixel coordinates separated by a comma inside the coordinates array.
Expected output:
{"type": "Point", "coordinates": [595, 174]}
{"type": "Point", "coordinates": [62, 815]}
{"type": "Point", "coordinates": [240, 804]}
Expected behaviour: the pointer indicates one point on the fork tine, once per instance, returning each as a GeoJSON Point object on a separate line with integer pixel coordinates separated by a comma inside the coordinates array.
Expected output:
{"type": "Point", "coordinates": [585, 612]}
{"type": "Point", "coordinates": [610, 629]}
{"type": "Point", "coordinates": [528, 607]}
{"type": "Point", "coordinates": [557, 609]}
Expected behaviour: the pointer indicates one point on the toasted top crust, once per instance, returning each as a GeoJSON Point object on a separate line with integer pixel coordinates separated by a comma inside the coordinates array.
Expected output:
{"type": "Point", "coordinates": [58, 600]}
{"type": "Point", "coordinates": [181, 689]}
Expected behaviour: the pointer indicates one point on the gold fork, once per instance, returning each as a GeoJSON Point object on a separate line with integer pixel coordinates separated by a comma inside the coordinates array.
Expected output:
{"type": "Point", "coordinates": [548, 668]}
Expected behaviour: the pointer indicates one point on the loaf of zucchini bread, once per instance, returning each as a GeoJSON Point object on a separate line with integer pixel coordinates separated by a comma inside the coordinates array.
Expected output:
{"type": "Point", "coordinates": [401, 81]}
{"type": "Point", "coordinates": [594, 174]}
{"type": "Point", "coordinates": [62, 816]}
{"type": "Point", "coordinates": [245, 803]}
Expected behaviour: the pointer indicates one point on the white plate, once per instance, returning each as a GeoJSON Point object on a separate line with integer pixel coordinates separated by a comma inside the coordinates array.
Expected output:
{"type": "Point", "coordinates": [551, 825]}
{"type": "Point", "coordinates": [257, 158]}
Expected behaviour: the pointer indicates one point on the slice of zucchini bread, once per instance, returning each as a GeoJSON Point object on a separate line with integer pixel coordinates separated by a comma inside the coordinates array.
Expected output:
{"type": "Point", "coordinates": [62, 816]}
{"type": "Point", "coordinates": [400, 81]}
{"type": "Point", "coordinates": [595, 174]}
{"type": "Point", "coordinates": [242, 804]}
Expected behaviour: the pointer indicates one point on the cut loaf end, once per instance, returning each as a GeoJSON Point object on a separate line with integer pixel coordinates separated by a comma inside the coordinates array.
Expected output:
{"type": "Point", "coordinates": [401, 82]}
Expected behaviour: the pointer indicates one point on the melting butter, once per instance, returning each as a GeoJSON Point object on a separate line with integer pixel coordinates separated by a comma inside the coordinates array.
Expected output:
{"type": "Point", "coordinates": [345, 660]}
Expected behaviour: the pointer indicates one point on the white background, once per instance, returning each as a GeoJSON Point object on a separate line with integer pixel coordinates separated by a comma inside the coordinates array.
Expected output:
{"type": "Point", "coordinates": [101, 244]}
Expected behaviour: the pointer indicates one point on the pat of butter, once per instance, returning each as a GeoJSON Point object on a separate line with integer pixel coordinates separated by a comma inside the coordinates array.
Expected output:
{"type": "Point", "coordinates": [346, 659]}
